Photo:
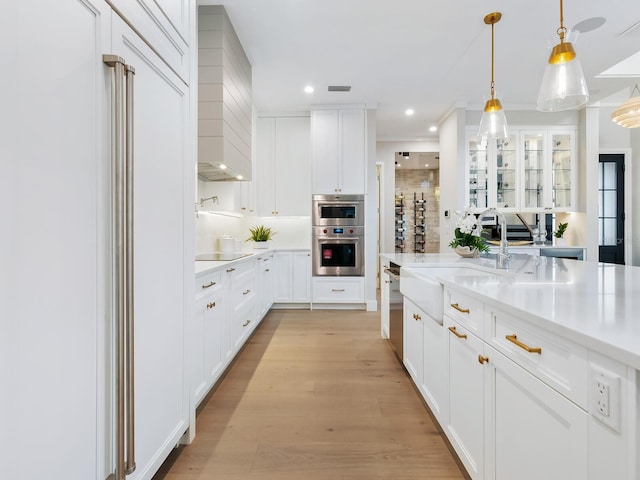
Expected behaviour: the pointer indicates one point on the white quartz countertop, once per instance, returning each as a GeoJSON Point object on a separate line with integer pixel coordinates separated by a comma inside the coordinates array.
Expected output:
{"type": "Point", "coordinates": [205, 267]}
{"type": "Point", "coordinates": [596, 305]}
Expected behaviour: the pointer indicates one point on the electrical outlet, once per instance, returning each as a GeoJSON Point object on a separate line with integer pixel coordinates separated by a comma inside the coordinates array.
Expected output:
{"type": "Point", "coordinates": [605, 397]}
{"type": "Point", "coordinates": [602, 397]}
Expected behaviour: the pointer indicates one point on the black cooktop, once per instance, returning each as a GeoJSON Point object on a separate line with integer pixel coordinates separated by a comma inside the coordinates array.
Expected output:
{"type": "Point", "coordinates": [220, 257]}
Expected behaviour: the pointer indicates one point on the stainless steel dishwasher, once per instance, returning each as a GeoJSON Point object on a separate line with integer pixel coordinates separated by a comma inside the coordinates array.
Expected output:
{"type": "Point", "coordinates": [396, 330]}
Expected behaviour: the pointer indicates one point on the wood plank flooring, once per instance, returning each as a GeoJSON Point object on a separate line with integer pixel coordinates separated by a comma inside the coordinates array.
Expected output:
{"type": "Point", "coordinates": [314, 395]}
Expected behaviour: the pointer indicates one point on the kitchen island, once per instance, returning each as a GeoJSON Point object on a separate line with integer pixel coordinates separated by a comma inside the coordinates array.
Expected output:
{"type": "Point", "coordinates": [532, 371]}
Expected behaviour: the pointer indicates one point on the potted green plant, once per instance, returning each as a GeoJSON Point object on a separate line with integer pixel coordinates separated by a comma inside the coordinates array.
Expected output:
{"type": "Point", "coordinates": [558, 234]}
{"type": "Point", "coordinates": [261, 236]}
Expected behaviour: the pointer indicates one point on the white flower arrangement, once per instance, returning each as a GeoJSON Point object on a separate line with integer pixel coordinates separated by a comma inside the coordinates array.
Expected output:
{"type": "Point", "coordinates": [467, 233]}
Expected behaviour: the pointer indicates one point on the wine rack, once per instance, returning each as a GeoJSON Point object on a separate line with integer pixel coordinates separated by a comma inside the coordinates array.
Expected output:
{"type": "Point", "coordinates": [400, 224]}
{"type": "Point", "coordinates": [420, 227]}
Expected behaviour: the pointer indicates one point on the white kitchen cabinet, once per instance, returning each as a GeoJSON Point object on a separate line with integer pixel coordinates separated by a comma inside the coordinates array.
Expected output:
{"type": "Point", "coordinates": [292, 277]}
{"type": "Point", "coordinates": [492, 173]}
{"type": "Point", "coordinates": [266, 282]}
{"type": "Point", "coordinates": [165, 24]}
{"type": "Point", "coordinates": [242, 280]}
{"type": "Point", "coordinates": [338, 139]}
{"type": "Point", "coordinates": [535, 432]}
{"type": "Point", "coordinates": [161, 169]}
{"type": "Point", "coordinates": [533, 170]}
{"type": "Point", "coordinates": [67, 352]}
{"type": "Point", "coordinates": [465, 425]}
{"type": "Point", "coordinates": [207, 335]}
{"type": "Point", "coordinates": [548, 170]}
{"type": "Point", "coordinates": [301, 292]}
{"type": "Point", "coordinates": [413, 335]}
{"type": "Point", "coordinates": [435, 372]}
{"type": "Point", "coordinates": [283, 165]}
{"type": "Point", "coordinates": [337, 289]}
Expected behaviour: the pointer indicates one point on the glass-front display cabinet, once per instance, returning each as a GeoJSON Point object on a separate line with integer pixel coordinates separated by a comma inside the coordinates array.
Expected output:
{"type": "Point", "coordinates": [532, 170]}
{"type": "Point", "coordinates": [492, 173]}
{"type": "Point", "coordinates": [548, 170]}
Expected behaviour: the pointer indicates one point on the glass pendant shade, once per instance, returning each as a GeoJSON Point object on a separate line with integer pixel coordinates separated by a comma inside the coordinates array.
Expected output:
{"type": "Point", "coordinates": [493, 123]}
{"type": "Point", "coordinates": [563, 85]}
{"type": "Point", "coordinates": [628, 114]}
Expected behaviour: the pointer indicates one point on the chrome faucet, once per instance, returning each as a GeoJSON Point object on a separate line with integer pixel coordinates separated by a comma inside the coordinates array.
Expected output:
{"type": "Point", "coordinates": [502, 257]}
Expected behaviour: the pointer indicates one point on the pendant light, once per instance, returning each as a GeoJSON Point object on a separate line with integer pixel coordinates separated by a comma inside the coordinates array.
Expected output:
{"type": "Point", "coordinates": [563, 85]}
{"type": "Point", "coordinates": [493, 124]}
{"type": "Point", "coordinates": [628, 114]}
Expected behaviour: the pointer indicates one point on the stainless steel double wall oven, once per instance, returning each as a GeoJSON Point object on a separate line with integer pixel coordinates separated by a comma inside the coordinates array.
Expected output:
{"type": "Point", "coordinates": [338, 235]}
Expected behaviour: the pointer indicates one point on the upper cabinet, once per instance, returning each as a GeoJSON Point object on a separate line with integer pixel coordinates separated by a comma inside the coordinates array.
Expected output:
{"type": "Point", "coordinates": [283, 153]}
{"type": "Point", "coordinates": [338, 139]}
{"type": "Point", "coordinates": [224, 99]}
{"type": "Point", "coordinates": [533, 170]}
{"type": "Point", "coordinates": [163, 24]}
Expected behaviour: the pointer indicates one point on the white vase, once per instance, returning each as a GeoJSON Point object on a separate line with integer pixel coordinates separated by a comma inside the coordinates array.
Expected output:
{"type": "Point", "coordinates": [261, 245]}
{"type": "Point", "coordinates": [560, 242]}
{"type": "Point", "coordinates": [467, 252]}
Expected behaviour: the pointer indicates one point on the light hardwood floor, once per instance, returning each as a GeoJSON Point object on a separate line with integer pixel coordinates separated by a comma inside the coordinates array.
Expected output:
{"type": "Point", "coordinates": [314, 395]}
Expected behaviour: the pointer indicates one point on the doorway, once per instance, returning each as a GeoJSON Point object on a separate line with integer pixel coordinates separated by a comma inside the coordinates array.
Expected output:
{"type": "Point", "coordinates": [611, 214]}
{"type": "Point", "coordinates": [417, 195]}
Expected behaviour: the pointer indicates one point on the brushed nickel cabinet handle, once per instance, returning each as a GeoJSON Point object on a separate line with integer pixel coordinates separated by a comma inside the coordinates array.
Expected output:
{"type": "Point", "coordinates": [208, 285]}
{"type": "Point", "coordinates": [337, 289]}
{"type": "Point", "coordinates": [246, 323]}
{"type": "Point", "coordinates": [229, 270]}
{"type": "Point", "coordinates": [122, 172]}
{"type": "Point", "coordinates": [514, 339]}
{"type": "Point", "coordinates": [460, 309]}
{"type": "Point", "coordinates": [246, 291]}
{"type": "Point", "coordinates": [211, 305]}
{"type": "Point", "coordinates": [456, 333]}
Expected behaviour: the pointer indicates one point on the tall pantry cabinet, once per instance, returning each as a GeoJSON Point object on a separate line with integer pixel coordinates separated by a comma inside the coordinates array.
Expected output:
{"type": "Point", "coordinates": [58, 421]}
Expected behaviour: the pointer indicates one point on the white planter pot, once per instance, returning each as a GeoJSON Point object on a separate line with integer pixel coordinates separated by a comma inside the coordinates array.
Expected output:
{"type": "Point", "coordinates": [261, 245]}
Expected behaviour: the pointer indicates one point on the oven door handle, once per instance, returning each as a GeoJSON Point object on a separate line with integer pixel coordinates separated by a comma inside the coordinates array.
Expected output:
{"type": "Point", "coordinates": [340, 239]}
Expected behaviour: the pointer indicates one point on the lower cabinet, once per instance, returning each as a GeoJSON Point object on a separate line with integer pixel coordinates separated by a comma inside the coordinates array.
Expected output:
{"type": "Point", "coordinates": [465, 425]}
{"type": "Point", "coordinates": [412, 340]}
{"type": "Point", "coordinates": [536, 432]}
{"type": "Point", "coordinates": [495, 384]}
{"type": "Point", "coordinates": [338, 289]}
{"type": "Point", "coordinates": [266, 283]}
{"type": "Point", "coordinates": [292, 277]}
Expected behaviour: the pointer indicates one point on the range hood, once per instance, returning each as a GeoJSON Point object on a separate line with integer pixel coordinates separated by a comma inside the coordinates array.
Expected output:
{"type": "Point", "coordinates": [224, 99]}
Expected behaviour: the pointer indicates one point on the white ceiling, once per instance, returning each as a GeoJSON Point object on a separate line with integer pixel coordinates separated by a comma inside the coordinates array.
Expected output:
{"type": "Point", "coordinates": [422, 54]}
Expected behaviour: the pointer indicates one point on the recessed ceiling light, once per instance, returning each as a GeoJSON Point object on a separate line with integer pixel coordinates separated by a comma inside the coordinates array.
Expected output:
{"type": "Point", "coordinates": [222, 166]}
{"type": "Point", "coordinates": [409, 111]}
{"type": "Point", "coordinates": [433, 128]}
{"type": "Point", "coordinates": [308, 89]}
{"type": "Point", "coordinates": [239, 177]}
{"type": "Point", "coordinates": [426, 164]}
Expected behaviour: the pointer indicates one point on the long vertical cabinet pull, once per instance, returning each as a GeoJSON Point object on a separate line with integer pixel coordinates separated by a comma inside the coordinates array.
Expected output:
{"type": "Point", "coordinates": [122, 171]}
{"type": "Point", "coordinates": [130, 405]}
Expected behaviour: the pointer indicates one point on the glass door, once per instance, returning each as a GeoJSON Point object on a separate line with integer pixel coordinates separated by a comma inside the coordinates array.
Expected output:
{"type": "Point", "coordinates": [533, 163]}
{"type": "Point", "coordinates": [506, 173]}
{"type": "Point", "coordinates": [478, 174]}
{"type": "Point", "coordinates": [561, 170]}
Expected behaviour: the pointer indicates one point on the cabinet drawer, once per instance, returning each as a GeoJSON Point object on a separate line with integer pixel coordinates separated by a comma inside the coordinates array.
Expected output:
{"type": "Point", "coordinates": [559, 363]}
{"type": "Point", "coordinates": [209, 283]}
{"type": "Point", "coordinates": [244, 291]}
{"type": "Point", "coordinates": [465, 310]}
{"type": "Point", "coordinates": [331, 290]}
